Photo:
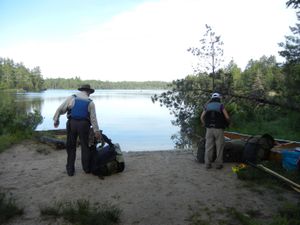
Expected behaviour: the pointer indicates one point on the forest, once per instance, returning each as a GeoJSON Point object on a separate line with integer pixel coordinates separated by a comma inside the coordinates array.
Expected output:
{"type": "Point", "coordinates": [15, 76]}
{"type": "Point", "coordinates": [263, 98]}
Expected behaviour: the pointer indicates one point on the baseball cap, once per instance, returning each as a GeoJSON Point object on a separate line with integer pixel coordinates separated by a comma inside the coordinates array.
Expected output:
{"type": "Point", "coordinates": [215, 95]}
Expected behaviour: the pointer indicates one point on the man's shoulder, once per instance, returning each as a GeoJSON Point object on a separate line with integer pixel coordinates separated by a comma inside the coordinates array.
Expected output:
{"type": "Point", "coordinates": [82, 95]}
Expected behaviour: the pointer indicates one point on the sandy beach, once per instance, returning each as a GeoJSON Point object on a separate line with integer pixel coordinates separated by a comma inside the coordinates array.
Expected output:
{"type": "Point", "coordinates": [159, 187]}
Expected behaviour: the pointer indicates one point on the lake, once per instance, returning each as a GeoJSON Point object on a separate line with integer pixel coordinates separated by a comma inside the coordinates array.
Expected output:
{"type": "Point", "coordinates": [128, 117]}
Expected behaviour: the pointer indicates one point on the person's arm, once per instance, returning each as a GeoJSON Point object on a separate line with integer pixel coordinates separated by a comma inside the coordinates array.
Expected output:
{"type": "Point", "coordinates": [202, 118]}
{"type": "Point", "coordinates": [94, 122]}
{"type": "Point", "coordinates": [225, 113]}
{"type": "Point", "coordinates": [62, 109]}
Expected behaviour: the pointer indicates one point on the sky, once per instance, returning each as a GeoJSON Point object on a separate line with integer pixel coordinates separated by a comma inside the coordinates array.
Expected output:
{"type": "Point", "coordinates": [136, 40]}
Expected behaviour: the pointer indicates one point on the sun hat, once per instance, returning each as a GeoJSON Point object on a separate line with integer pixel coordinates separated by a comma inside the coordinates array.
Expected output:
{"type": "Point", "coordinates": [215, 95]}
{"type": "Point", "coordinates": [86, 87]}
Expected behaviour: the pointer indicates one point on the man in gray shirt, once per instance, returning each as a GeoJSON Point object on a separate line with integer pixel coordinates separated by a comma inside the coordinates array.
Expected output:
{"type": "Point", "coordinates": [81, 115]}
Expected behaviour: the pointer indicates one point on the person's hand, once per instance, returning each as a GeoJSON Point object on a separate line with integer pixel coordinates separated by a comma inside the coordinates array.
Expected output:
{"type": "Point", "coordinates": [99, 137]}
{"type": "Point", "coordinates": [56, 123]}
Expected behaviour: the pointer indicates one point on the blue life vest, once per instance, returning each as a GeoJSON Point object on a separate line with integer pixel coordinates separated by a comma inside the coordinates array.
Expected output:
{"type": "Point", "coordinates": [214, 117]}
{"type": "Point", "coordinates": [80, 109]}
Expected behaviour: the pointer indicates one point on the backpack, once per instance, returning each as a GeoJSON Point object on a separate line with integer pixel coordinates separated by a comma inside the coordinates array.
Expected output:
{"type": "Point", "coordinates": [233, 151]}
{"type": "Point", "coordinates": [254, 149]}
{"type": "Point", "coordinates": [201, 151]}
{"type": "Point", "coordinates": [258, 148]}
{"type": "Point", "coordinates": [107, 159]}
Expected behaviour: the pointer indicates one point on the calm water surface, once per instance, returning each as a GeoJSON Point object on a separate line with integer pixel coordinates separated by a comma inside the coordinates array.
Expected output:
{"type": "Point", "coordinates": [128, 117]}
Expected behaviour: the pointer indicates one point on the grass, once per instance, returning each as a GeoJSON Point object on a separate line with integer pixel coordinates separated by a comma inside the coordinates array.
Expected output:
{"type": "Point", "coordinates": [81, 212]}
{"type": "Point", "coordinates": [8, 209]}
{"type": "Point", "coordinates": [287, 214]}
{"type": "Point", "coordinates": [255, 176]}
{"type": "Point", "coordinates": [7, 140]}
{"type": "Point", "coordinates": [281, 128]}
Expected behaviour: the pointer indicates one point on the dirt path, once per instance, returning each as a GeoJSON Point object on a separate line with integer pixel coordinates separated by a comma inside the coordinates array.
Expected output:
{"type": "Point", "coordinates": [163, 187]}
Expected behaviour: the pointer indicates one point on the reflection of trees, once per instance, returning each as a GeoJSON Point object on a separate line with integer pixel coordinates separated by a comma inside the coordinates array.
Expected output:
{"type": "Point", "coordinates": [17, 114]}
{"type": "Point", "coordinates": [29, 104]}
{"type": "Point", "coordinates": [37, 104]}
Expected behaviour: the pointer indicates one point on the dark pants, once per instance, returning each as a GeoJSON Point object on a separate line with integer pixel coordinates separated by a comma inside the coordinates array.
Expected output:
{"type": "Point", "coordinates": [77, 128]}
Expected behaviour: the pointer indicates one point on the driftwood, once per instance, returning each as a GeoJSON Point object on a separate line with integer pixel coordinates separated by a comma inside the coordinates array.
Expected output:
{"type": "Point", "coordinates": [59, 144]}
{"type": "Point", "coordinates": [50, 137]}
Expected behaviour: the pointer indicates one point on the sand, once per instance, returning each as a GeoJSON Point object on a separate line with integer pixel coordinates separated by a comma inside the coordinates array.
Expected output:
{"type": "Point", "coordinates": [159, 187]}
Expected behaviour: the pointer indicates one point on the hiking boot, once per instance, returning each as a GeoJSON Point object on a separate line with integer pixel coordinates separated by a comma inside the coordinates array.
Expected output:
{"type": "Point", "coordinates": [208, 166]}
{"type": "Point", "coordinates": [70, 171]}
{"type": "Point", "coordinates": [87, 171]}
{"type": "Point", "coordinates": [218, 167]}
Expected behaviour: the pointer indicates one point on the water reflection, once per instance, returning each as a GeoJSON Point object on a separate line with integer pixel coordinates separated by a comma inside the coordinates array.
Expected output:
{"type": "Point", "coordinates": [128, 117]}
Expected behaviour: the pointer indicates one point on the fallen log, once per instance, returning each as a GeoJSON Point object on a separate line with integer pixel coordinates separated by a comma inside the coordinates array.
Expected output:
{"type": "Point", "coordinates": [58, 143]}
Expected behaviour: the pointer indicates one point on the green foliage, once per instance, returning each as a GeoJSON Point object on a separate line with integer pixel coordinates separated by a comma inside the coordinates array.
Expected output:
{"type": "Point", "coordinates": [6, 140]}
{"type": "Point", "coordinates": [280, 124]}
{"type": "Point", "coordinates": [82, 213]}
{"type": "Point", "coordinates": [8, 209]}
{"type": "Point", "coordinates": [17, 76]}
{"type": "Point", "coordinates": [291, 213]}
{"type": "Point", "coordinates": [255, 176]}
{"type": "Point", "coordinates": [15, 118]}
{"type": "Point", "coordinates": [186, 106]}
{"type": "Point", "coordinates": [287, 214]}
{"type": "Point", "coordinates": [291, 52]}
{"type": "Point", "coordinates": [261, 77]}
{"type": "Point", "coordinates": [17, 121]}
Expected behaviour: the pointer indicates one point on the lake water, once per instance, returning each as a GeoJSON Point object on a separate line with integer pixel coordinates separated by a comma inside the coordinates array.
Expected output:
{"type": "Point", "coordinates": [128, 117]}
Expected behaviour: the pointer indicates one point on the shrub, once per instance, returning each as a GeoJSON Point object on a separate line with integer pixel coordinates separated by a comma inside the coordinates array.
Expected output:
{"type": "Point", "coordinates": [8, 209]}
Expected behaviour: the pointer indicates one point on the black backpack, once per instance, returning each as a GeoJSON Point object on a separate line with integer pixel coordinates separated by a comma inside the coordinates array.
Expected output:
{"type": "Point", "coordinates": [257, 148]}
{"type": "Point", "coordinates": [107, 159]}
{"type": "Point", "coordinates": [233, 151]}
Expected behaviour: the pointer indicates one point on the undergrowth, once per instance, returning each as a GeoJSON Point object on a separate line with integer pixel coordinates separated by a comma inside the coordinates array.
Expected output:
{"type": "Point", "coordinates": [8, 208]}
{"type": "Point", "coordinates": [81, 212]}
{"type": "Point", "coordinates": [287, 214]}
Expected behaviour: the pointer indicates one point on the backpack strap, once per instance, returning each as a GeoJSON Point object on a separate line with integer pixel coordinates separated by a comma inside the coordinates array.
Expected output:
{"type": "Point", "coordinates": [108, 141]}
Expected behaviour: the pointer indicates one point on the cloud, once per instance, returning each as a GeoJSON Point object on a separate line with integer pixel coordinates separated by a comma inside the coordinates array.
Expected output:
{"type": "Point", "coordinates": [150, 42]}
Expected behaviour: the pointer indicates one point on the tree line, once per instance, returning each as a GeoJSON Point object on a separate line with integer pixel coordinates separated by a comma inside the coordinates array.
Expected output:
{"type": "Point", "coordinates": [74, 83]}
{"type": "Point", "coordinates": [18, 77]}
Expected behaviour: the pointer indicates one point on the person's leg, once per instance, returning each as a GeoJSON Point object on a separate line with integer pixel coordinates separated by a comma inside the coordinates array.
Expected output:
{"type": "Point", "coordinates": [220, 141]}
{"type": "Point", "coordinates": [209, 147]}
{"type": "Point", "coordinates": [83, 131]}
{"type": "Point", "coordinates": [71, 147]}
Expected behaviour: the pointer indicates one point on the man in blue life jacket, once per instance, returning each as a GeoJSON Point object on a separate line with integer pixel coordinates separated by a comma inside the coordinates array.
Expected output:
{"type": "Point", "coordinates": [215, 118]}
{"type": "Point", "coordinates": [81, 115]}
